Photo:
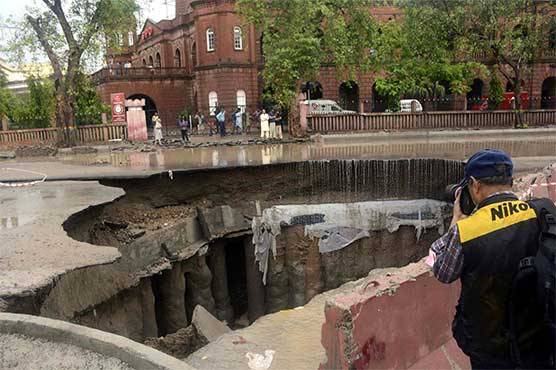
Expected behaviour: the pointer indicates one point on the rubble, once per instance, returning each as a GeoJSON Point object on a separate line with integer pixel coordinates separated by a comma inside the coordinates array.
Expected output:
{"type": "Point", "coordinates": [203, 330]}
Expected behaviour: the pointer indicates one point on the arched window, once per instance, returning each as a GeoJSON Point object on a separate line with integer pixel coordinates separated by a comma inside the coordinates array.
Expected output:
{"type": "Point", "coordinates": [213, 102]}
{"type": "Point", "coordinates": [177, 58]}
{"type": "Point", "coordinates": [211, 40]}
{"type": "Point", "coordinates": [151, 63]}
{"type": "Point", "coordinates": [130, 38]}
{"type": "Point", "coordinates": [238, 38]}
{"type": "Point", "coordinates": [194, 54]}
{"type": "Point", "coordinates": [144, 62]}
{"type": "Point", "coordinates": [157, 61]}
{"type": "Point", "coordinates": [241, 100]}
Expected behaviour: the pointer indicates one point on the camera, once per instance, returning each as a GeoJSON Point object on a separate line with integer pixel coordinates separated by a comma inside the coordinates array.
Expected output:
{"type": "Point", "coordinates": [465, 202]}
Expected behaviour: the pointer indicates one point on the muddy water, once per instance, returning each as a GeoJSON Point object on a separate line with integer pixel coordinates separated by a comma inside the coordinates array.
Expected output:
{"type": "Point", "coordinates": [225, 156]}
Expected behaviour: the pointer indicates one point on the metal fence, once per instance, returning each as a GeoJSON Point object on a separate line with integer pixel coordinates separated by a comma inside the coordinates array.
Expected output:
{"type": "Point", "coordinates": [82, 134]}
{"type": "Point", "coordinates": [427, 120]}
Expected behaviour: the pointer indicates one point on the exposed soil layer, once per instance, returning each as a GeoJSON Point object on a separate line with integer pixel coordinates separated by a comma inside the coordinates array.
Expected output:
{"type": "Point", "coordinates": [185, 240]}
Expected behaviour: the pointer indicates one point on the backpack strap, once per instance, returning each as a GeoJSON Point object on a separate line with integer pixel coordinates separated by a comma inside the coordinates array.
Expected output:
{"type": "Point", "coordinates": [546, 216]}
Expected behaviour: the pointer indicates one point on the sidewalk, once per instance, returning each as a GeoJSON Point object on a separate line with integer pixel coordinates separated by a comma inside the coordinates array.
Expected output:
{"type": "Point", "coordinates": [549, 132]}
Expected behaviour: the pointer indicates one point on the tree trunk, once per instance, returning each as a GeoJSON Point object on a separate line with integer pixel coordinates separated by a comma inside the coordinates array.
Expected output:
{"type": "Point", "coordinates": [517, 99]}
{"type": "Point", "coordinates": [294, 120]}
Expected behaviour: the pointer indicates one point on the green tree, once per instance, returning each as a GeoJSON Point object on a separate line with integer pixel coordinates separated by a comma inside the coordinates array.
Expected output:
{"type": "Point", "coordinates": [507, 33]}
{"type": "Point", "coordinates": [72, 34]}
{"type": "Point", "coordinates": [5, 97]}
{"type": "Point", "coordinates": [419, 57]}
{"type": "Point", "coordinates": [35, 109]}
{"type": "Point", "coordinates": [89, 105]}
{"type": "Point", "coordinates": [300, 36]}
{"type": "Point", "coordinates": [496, 95]}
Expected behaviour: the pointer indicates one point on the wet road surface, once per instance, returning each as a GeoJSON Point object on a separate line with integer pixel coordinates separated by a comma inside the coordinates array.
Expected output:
{"type": "Point", "coordinates": [529, 152]}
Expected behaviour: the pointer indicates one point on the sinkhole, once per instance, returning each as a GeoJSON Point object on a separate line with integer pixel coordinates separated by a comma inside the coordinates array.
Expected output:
{"type": "Point", "coordinates": [248, 241]}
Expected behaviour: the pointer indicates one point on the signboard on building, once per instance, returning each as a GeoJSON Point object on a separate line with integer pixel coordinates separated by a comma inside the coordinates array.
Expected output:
{"type": "Point", "coordinates": [118, 107]}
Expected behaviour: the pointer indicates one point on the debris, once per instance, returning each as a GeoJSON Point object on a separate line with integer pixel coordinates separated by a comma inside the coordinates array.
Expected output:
{"type": "Point", "coordinates": [207, 325]}
{"type": "Point", "coordinates": [240, 340]}
{"type": "Point", "coordinates": [136, 233]}
{"type": "Point", "coordinates": [7, 155]}
{"type": "Point", "coordinates": [260, 362]}
{"type": "Point", "coordinates": [115, 224]}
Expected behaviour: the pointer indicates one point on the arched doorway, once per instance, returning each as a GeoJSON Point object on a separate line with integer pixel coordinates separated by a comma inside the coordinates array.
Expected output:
{"type": "Point", "coordinates": [149, 108]}
{"type": "Point", "coordinates": [157, 61]}
{"type": "Point", "coordinates": [475, 95]}
{"type": "Point", "coordinates": [312, 90]}
{"type": "Point", "coordinates": [349, 96]}
{"type": "Point", "coordinates": [548, 93]}
{"type": "Point", "coordinates": [177, 58]}
{"type": "Point", "coordinates": [510, 86]}
{"type": "Point", "coordinates": [380, 103]}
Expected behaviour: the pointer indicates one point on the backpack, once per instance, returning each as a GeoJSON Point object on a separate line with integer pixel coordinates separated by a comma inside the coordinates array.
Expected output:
{"type": "Point", "coordinates": [532, 317]}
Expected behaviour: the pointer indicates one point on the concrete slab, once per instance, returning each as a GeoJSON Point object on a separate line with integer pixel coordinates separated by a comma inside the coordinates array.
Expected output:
{"type": "Point", "coordinates": [35, 249]}
{"type": "Point", "coordinates": [207, 325]}
{"type": "Point", "coordinates": [69, 343]}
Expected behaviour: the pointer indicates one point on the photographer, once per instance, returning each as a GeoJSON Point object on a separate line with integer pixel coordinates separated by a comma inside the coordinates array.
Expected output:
{"type": "Point", "coordinates": [484, 249]}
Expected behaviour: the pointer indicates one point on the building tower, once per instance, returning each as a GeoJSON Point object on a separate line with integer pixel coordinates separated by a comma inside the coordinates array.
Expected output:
{"type": "Point", "coordinates": [183, 7]}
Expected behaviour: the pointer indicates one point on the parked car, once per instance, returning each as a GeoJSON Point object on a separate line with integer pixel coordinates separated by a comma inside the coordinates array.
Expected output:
{"type": "Point", "coordinates": [324, 106]}
{"type": "Point", "coordinates": [406, 106]}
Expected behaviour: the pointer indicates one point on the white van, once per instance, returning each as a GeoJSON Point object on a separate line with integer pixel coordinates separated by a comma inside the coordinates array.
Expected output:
{"type": "Point", "coordinates": [324, 106]}
{"type": "Point", "coordinates": [405, 105]}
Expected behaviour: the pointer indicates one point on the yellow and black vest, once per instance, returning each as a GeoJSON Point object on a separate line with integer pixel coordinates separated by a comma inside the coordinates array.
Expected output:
{"type": "Point", "coordinates": [494, 239]}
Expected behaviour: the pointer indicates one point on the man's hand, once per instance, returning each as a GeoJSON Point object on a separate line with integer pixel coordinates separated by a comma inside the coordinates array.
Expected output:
{"type": "Point", "coordinates": [458, 214]}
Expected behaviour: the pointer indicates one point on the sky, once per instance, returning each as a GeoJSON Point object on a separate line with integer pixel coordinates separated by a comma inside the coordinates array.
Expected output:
{"type": "Point", "coordinates": [154, 9]}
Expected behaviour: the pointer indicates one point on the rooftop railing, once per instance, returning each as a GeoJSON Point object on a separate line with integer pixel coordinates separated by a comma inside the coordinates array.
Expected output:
{"type": "Point", "coordinates": [122, 73]}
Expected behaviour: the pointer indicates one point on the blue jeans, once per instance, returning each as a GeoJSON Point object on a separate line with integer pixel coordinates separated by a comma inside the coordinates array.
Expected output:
{"type": "Point", "coordinates": [222, 127]}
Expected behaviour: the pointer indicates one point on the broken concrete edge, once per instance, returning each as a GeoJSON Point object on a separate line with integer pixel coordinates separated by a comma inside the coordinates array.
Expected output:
{"type": "Point", "coordinates": [207, 325]}
{"type": "Point", "coordinates": [391, 319]}
{"type": "Point", "coordinates": [41, 288]}
{"type": "Point", "coordinates": [136, 355]}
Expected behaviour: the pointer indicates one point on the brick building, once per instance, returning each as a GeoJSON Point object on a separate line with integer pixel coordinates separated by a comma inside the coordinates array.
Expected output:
{"type": "Point", "coordinates": [207, 56]}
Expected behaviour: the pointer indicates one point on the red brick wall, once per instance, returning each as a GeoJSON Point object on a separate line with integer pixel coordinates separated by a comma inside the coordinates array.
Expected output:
{"type": "Point", "coordinates": [170, 96]}
{"type": "Point", "coordinates": [226, 82]}
{"type": "Point", "coordinates": [221, 17]}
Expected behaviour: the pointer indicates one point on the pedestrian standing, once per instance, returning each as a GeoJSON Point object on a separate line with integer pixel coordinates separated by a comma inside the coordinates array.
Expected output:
{"type": "Point", "coordinates": [279, 128]}
{"type": "Point", "coordinates": [265, 128]}
{"type": "Point", "coordinates": [200, 124]}
{"type": "Point", "coordinates": [184, 128]}
{"type": "Point", "coordinates": [233, 118]}
{"type": "Point", "coordinates": [157, 129]}
{"type": "Point", "coordinates": [499, 322]}
{"type": "Point", "coordinates": [238, 121]}
{"type": "Point", "coordinates": [221, 119]}
{"type": "Point", "coordinates": [272, 124]}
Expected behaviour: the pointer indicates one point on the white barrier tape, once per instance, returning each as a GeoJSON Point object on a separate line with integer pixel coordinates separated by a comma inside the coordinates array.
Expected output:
{"type": "Point", "coordinates": [22, 184]}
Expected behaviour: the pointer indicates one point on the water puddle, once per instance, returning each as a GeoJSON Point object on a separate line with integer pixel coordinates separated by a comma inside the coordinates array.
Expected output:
{"type": "Point", "coordinates": [224, 156]}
